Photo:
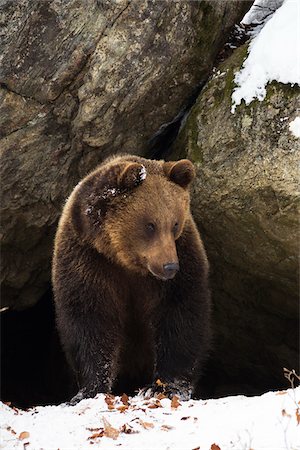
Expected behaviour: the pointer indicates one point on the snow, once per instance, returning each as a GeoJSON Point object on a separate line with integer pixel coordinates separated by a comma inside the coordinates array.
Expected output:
{"type": "Point", "coordinates": [143, 173]}
{"type": "Point", "coordinates": [294, 127]}
{"type": "Point", "coordinates": [261, 11]}
{"type": "Point", "coordinates": [266, 422]}
{"type": "Point", "coordinates": [274, 54]}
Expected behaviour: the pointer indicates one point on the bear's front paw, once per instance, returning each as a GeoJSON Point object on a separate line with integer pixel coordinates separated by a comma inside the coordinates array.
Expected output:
{"type": "Point", "coordinates": [81, 395]}
{"type": "Point", "coordinates": [179, 388]}
{"type": "Point", "coordinates": [77, 398]}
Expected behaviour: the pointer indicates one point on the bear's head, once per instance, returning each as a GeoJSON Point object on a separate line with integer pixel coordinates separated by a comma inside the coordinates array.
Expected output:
{"type": "Point", "coordinates": [135, 211]}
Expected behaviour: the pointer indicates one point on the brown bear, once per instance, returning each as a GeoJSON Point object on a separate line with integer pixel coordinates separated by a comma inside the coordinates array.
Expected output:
{"type": "Point", "coordinates": [130, 279]}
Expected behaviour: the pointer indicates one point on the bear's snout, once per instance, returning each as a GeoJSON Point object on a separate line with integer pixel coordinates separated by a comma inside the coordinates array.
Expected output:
{"type": "Point", "coordinates": [170, 270]}
{"type": "Point", "coordinates": [165, 271]}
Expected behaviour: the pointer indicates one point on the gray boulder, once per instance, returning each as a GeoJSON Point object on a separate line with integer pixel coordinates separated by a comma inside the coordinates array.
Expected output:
{"type": "Point", "coordinates": [246, 201]}
{"type": "Point", "coordinates": [81, 79]}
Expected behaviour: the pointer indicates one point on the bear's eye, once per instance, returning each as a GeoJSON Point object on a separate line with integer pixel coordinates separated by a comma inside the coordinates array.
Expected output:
{"type": "Point", "coordinates": [175, 228]}
{"type": "Point", "coordinates": [150, 227]}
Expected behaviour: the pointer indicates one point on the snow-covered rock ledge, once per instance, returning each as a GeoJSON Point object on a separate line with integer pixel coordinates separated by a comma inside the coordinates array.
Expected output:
{"type": "Point", "coordinates": [270, 421]}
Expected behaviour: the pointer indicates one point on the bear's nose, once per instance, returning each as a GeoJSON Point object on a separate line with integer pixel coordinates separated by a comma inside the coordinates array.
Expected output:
{"type": "Point", "coordinates": [170, 269]}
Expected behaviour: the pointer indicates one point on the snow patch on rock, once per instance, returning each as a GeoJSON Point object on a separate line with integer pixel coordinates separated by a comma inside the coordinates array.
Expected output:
{"type": "Point", "coordinates": [272, 55]}
{"type": "Point", "coordinates": [294, 127]}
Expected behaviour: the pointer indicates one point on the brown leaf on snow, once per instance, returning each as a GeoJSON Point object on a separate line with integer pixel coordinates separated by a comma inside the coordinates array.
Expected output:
{"type": "Point", "coordinates": [16, 410]}
{"type": "Point", "coordinates": [124, 399]}
{"type": "Point", "coordinates": [285, 414]}
{"type": "Point", "coordinates": [99, 434]}
{"type": "Point", "coordinates": [185, 418]}
{"type": "Point", "coordinates": [109, 431]}
{"type": "Point", "coordinates": [160, 383]}
{"type": "Point", "coordinates": [110, 401]}
{"type": "Point", "coordinates": [11, 430]}
{"type": "Point", "coordinates": [166, 427]}
{"type": "Point", "coordinates": [196, 448]}
{"type": "Point", "coordinates": [139, 409]}
{"type": "Point", "coordinates": [160, 396]}
{"type": "Point", "coordinates": [214, 447]}
{"type": "Point", "coordinates": [298, 416]}
{"type": "Point", "coordinates": [280, 393]}
{"type": "Point", "coordinates": [24, 435]}
{"type": "Point", "coordinates": [155, 405]}
{"type": "Point", "coordinates": [146, 425]}
{"type": "Point", "coordinates": [175, 402]}
{"type": "Point", "coordinates": [122, 408]}
{"type": "Point", "coordinates": [126, 428]}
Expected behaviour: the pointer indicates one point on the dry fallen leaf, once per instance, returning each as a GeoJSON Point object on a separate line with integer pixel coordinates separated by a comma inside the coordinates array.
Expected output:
{"type": "Point", "coordinates": [126, 428]}
{"type": "Point", "coordinates": [16, 411]}
{"type": "Point", "coordinates": [109, 431]}
{"type": "Point", "coordinates": [214, 447]}
{"type": "Point", "coordinates": [11, 430]}
{"type": "Point", "coordinates": [166, 427]}
{"type": "Point", "coordinates": [298, 415]}
{"type": "Point", "coordinates": [24, 435]}
{"type": "Point", "coordinates": [139, 409]}
{"type": "Point", "coordinates": [160, 396]}
{"type": "Point", "coordinates": [155, 405]}
{"type": "Point", "coordinates": [122, 408]}
{"type": "Point", "coordinates": [124, 399]}
{"type": "Point", "coordinates": [98, 434]}
{"type": "Point", "coordinates": [196, 448]}
{"type": "Point", "coordinates": [281, 393]}
{"type": "Point", "coordinates": [160, 383]}
{"type": "Point", "coordinates": [175, 402]}
{"type": "Point", "coordinates": [185, 418]}
{"type": "Point", "coordinates": [285, 414]}
{"type": "Point", "coordinates": [110, 401]}
{"type": "Point", "coordinates": [146, 425]}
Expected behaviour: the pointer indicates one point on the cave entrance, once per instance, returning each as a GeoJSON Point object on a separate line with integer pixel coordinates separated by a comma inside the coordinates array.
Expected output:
{"type": "Point", "coordinates": [34, 370]}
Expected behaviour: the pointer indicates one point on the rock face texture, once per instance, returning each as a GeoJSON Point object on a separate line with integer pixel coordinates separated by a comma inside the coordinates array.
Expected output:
{"type": "Point", "coordinates": [246, 201]}
{"type": "Point", "coordinates": [82, 79]}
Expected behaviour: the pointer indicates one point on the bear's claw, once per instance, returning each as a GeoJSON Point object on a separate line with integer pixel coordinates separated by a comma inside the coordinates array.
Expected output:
{"type": "Point", "coordinates": [180, 389]}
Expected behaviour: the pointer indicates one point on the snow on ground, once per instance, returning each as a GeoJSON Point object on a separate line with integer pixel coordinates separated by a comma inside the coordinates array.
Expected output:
{"type": "Point", "coordinates": [274, 54]}
{"type": "Point", "coordinates": [268, 422]}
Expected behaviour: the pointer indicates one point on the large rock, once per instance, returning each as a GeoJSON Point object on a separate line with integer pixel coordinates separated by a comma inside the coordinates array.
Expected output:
{"type": "Point", "coordinates": [246, 202]}
{"type": "Point", "coordinates": [81, 79]}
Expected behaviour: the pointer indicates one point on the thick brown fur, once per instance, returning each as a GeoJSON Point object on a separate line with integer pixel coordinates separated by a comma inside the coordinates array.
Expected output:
{"type": "Point", "coordinates": [124, 320]}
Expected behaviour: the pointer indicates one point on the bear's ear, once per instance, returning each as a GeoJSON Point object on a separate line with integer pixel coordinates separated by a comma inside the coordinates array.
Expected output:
{"type": "Point", "coordinates": [181, 172]}
{"type": "Point", "coordinates": [133, 175]}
